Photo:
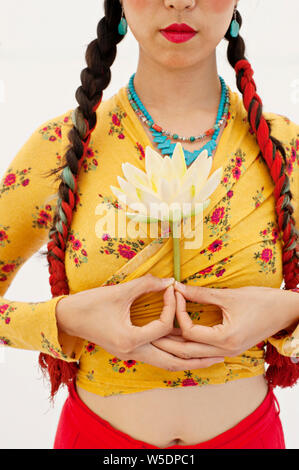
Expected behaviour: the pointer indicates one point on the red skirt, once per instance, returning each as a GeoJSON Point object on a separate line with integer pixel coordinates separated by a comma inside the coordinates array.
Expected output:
{"type": "Point", "coordinates": [81, 428]}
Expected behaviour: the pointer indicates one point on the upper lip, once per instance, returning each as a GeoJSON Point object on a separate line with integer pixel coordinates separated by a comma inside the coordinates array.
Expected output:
{"type": "Point", "coordinates": [182, 27]}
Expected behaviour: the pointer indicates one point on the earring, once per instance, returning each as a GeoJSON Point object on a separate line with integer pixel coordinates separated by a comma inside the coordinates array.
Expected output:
{"type": "Point", "coordinates": [234, 27]}
{"type": "Point", "coordinates": [123, 25]}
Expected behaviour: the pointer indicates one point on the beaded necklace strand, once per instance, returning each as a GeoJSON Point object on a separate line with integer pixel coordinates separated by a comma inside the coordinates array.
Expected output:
{"type": "Point", "coordinates": [160, 136]}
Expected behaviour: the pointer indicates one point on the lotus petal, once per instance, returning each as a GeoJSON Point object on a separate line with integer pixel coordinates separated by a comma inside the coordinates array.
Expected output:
{"type": "Point", "coordinates": [178, 161]}
{"type": "Point", "coordinates": [210, 186]}
{"type": "Point", "coordinates": [135, 176]}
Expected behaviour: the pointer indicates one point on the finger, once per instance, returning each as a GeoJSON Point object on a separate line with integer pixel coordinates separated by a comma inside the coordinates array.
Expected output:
{"type": "Point", "coordinates": [184, 319]}
{"type": "Point", "coordinates": [156, 328]}
{"type": "Point", "coordinates": [212, 335]}
{"type": "Point", "coordinates": [168, 361]}
{"type": "Point", "coordinates": [146, 284]}
{"type": "Point", "coordinates": [206, 295]}
{"type": "Point", "coordinates": [188, 349]}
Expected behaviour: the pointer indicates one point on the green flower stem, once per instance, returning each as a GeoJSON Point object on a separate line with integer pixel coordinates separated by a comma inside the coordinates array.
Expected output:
{"type": "Point", "coordinates": [176, 261]}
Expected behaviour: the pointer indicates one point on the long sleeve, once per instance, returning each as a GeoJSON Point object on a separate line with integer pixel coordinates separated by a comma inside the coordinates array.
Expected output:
{"type": "Point", "coordinates": [26, 212]}
{"type": "Point", "coordinates": [287, 131]}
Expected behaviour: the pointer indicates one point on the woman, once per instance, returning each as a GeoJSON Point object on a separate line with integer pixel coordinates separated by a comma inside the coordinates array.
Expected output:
{"type": "Point", "coordinates": [131, 376]}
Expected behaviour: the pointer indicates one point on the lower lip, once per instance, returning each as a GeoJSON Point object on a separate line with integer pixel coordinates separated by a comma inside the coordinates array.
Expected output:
{"type": "Point", "coordinates": [175, 36]}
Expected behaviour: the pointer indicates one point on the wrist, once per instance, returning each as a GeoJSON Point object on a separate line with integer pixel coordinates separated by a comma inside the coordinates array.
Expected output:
{"type": "Point", "coordinates": [66, 316]}
{"type": "Point", "coordinates": [293, 307]}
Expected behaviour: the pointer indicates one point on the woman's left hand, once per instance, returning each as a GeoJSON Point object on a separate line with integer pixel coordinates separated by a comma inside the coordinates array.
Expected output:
{"type": "Point", "coordinates": [250, 315]}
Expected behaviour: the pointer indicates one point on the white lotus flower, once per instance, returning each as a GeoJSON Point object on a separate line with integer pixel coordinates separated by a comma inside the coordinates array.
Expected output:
{"type": "Point", "coordinates": [167, 189]}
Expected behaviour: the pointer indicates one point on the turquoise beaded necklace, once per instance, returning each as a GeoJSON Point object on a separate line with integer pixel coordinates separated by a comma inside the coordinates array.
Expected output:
{"type": "Point", "coordinates": [160, 136]}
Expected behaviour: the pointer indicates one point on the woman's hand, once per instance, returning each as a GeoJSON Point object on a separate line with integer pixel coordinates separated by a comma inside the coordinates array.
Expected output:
{"type": "Point", "coordinates": [250, 315]}
{"type": "Point", "coordinates": [102, 316]}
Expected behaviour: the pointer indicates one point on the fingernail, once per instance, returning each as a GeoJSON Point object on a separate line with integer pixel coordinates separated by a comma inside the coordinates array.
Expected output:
{"type": "Point", "coordinates": [180, 285]}
{"type": "Point", "coordinates": [168, 281]}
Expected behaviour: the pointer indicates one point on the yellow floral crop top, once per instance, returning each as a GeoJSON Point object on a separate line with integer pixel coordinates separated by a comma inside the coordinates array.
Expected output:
{"type": "Point", "coordinates": [241, 244]}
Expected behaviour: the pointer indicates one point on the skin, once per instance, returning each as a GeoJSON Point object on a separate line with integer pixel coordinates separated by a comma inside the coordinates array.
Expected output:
{"type": "Point", "coordinates": [186, 416]}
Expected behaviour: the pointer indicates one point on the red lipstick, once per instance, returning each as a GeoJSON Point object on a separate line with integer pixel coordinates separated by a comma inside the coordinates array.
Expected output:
{"type": "Point", "coordinates": [178, 32]}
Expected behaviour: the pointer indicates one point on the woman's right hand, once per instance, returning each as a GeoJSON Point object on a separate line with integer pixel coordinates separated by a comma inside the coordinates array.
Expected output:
{"type": "Point", "coordinates": [102, 316]}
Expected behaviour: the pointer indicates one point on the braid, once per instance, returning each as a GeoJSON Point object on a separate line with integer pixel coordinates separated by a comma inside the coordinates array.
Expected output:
{"type": "Point", "coordinates": [100, 55]}
{"type": "Point", "coordinates": [282, 371]}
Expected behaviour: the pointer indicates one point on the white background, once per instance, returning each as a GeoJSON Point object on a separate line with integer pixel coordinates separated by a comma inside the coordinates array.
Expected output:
{"type": "Point", "coordinates": [42, 47]}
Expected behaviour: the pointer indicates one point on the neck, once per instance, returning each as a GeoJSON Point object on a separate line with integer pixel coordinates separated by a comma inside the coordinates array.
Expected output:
{"type": "Point", "coordinates": [166, 91]}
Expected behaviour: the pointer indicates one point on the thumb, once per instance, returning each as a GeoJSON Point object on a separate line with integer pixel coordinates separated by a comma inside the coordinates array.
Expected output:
{"type": "Point", "coordinates": [206, 295]}
{"type": "Point", "coordinates": [148, 283]}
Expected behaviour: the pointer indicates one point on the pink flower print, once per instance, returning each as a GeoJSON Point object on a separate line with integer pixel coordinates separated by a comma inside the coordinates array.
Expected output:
{"type": "Point", "coordinates": [121, 136]}
{"type": "Point", "coordinates": [45, 215]}
{"type": "Point", "coordinates": [10, 179]}
{"type": "Point", "coordinates": [71, 238]}
{"type": "Point", "coordinates": [215, 246]}
{"type": "Point", "coordinates": [89, 153]}
{"type": "Point", "coordinates": [122, 369]}
{"type": "Point", "coordinates": [8, 268]}
{"type": "Point", "coordinates": [3, 235]}
{"type": "Point", "coordinates": [125, 251]}
{"type": "Point", "coordinates": [3, 308]}
{"type": "Point", "coordinates": [45, 129]}
{"type": "Point", "coordinates": [105, 236]}
{"type": "Point", "coordinates": [84, 252]}
{"type": "Point", "coordinates": [289, 167]}
{"type": "Point", "coordinates": [225, 179]}
{"type": "Point", "coordinates": [76, 260]}
{"type": "Point", "coordinates": [219, 273]}
{"type": "Point", "coordinates": [94, 161]}
{"type": "Point", "coordinates": [141, 242]}
{"type": "Point", "coordinates": [115, 120]}
{"type": "Point", "coordinates": [206, 270]}
{"type": "Point", "coordinates": [188, 382]}
{"type": "Point", "coordinates": [230, 193]}
{"type": "Point", "coordinates": [107, 252]}
{"type": "Point", "coordinates": [141, 150]}
{"type": "Point", "coordinates": [264, 232]}
{"type": "Point", "coordinates": [58, 131]}
{"type": "Point", "coordinates": [52, 138]}
{"type": "Point", "coordinates": [77, 245]}
{"type": "Point", "coordinates": [48, 207]}
{"type": "Point", "coordinates": [66, 119]}
{"type": "Point", "coordinates": [297, 144]}
{"type": "Point", "coordinates": [54, 352]}
{"type": "Point", "coordinates": [293, 155]}
{"type": "Point", "coordinates": [201, 252]}
{"type": "Point", "coordinates": [236, 172]}
{"type": "Point", "coordinates": [257, 204]}
{"type": "Point", "coordinates": [267, 255]}
{"type": "Point", "coordinates": [90, 347]}
{"type": "Point", "coordinates": [114, 359]}
{"type": "Point", "coordinates": [42, 222]}
{"type": "Point", "coordinates": [25, 182]}
{"type": "Point", "coordinates": [130, 363]}
{"type": "Point", "coordinates": [85, 166]}
{"type": "Point", "coordinates": [239, 161]}
{"type": "Point", "coordinates": [275, 234]}
{"type": "Point", "coordinates": [24, 171]}
{"type": "Point", "coordinates": [217, 215]}
{"type": "Point", "coordinates": [7, 320]}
